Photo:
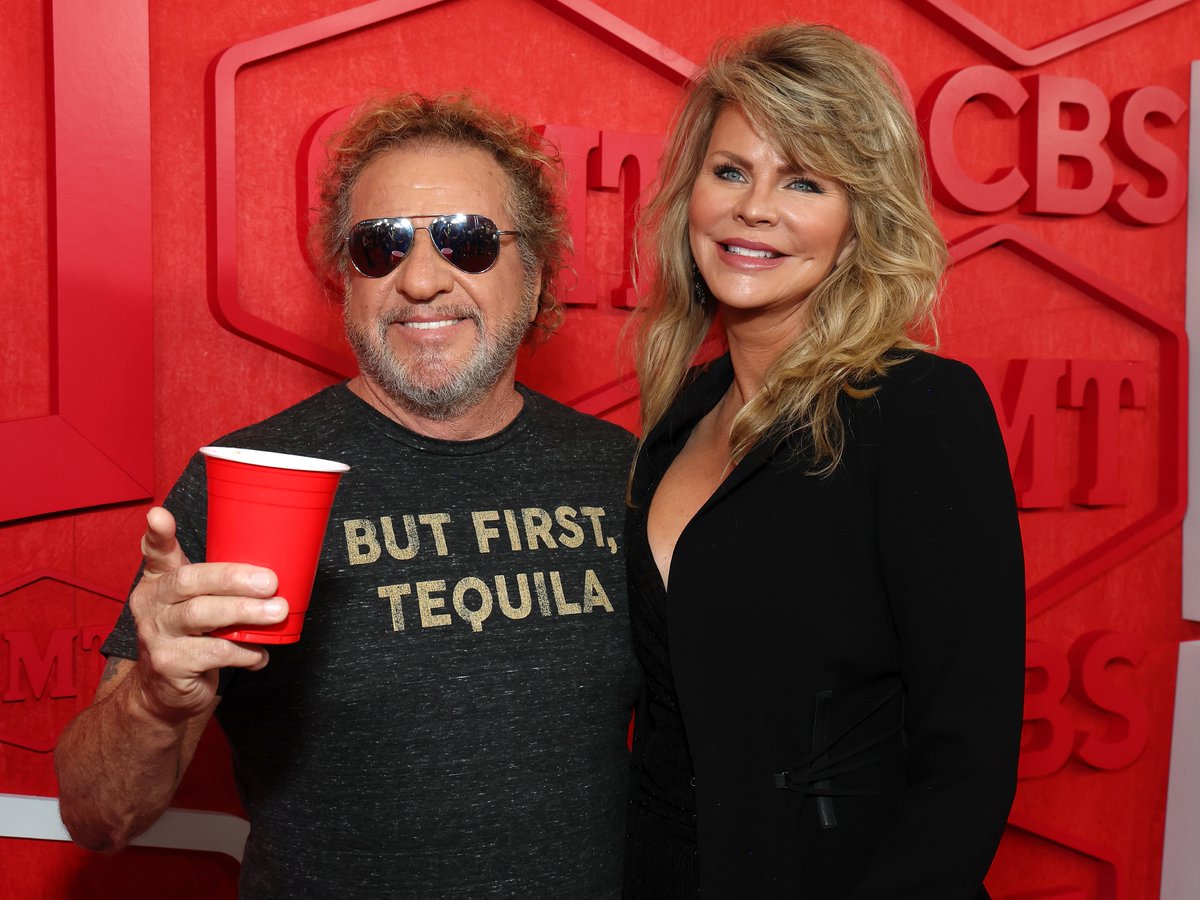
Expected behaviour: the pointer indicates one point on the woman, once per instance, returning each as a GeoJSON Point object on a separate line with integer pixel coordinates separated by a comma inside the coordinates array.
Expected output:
{"type": "Point", "coordinates": [822, 520]}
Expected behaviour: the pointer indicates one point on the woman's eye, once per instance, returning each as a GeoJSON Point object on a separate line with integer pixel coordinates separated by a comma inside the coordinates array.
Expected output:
{"type": "Point", "coordinates": [728, 173]}
{"type": "Point", "coordinates": [806, 185]}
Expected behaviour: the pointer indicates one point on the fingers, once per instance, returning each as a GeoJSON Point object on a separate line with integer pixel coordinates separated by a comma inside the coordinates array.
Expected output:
{"type": "Point", "coordinates": [208, 654]}
{"type": "Point", "coordinates": [202, 597]}
{"type": "Point", "coordinates": [178, 658]}
{"type": "Point", "coordinates": [160, 549]}
{"type": "Point", "coordinates": [165, 561]}
{"type": "Point", "coordinates": [177, 604]}
{"type": "Point", "coordinates": [207, 613]}
{"type": "Point", "coordinates": [177, 680]}
{"type": "Point", "coordinates": [176, 610]}
{"type": "Point", "coordinates": [219, 580]}
{"type": "Point", "coordinates": [263, 656]}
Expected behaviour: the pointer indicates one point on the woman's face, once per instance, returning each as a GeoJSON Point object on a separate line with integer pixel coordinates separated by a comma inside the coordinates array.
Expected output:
{"type": "Point", "coordinates": [763, 233]}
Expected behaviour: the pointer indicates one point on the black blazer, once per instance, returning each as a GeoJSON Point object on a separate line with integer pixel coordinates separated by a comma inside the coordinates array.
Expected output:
{"type": "Point", "coordinates": [848, 650]}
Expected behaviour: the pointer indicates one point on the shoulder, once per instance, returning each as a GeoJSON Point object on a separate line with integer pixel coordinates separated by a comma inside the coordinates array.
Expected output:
{"type": "Point", "coordinates": [558, 424]}
{"type": "Point", "coordinates": [304, 428]}
{"type": "Point", "coordinates": [933, 415]}
{"type": "Point", "coordinates": [919, 372]}
{"type": "Point", "coordinates": [925, 385]}
{"type": "Point", "coordinates": [924, 401]}
{"type": "Point", "coordinates": [574, 451]}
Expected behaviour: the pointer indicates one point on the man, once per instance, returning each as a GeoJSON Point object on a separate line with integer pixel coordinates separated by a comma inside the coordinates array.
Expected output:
{"type": "Point", "coordinates": [452, 721]}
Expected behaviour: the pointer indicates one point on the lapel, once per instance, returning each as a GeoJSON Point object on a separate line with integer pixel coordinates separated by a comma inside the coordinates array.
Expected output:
{"type": "Point", "coordinates": [760, 454]}
{"type": "Point", "coordinates": [701, 390]}
{"type": "Point", "coordinates": [667, 438]}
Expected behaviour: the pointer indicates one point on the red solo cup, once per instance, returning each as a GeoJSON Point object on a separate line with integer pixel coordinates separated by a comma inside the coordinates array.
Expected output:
{"type": "Point", "coordinates": [270, 509]}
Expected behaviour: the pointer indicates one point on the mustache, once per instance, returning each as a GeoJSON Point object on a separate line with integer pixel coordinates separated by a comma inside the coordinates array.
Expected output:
{"type": "Point", "coordinates": [399, 315]}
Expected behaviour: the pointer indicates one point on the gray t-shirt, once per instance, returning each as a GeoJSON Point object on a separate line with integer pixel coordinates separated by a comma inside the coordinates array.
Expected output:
{"type": "Point", "coordinates": [453, 721]}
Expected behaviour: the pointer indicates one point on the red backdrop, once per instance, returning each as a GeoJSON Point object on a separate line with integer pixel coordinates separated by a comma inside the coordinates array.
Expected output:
{"type": "Point", "coordinates": [159, 159]}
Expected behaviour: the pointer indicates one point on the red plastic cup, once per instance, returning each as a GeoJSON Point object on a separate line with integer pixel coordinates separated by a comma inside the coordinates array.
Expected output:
{"type": "Point", "coordinates": [270, 509]}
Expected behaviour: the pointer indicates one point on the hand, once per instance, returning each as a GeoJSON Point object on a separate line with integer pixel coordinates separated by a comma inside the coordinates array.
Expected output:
{"type": "Point", "coordinates": [176, 604]}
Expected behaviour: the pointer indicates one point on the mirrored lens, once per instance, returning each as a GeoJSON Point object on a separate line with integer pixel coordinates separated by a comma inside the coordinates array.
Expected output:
{"type": "Point", "coordinates": [378, 245]}
{"type": "Point", "coordinates": [469, 242]}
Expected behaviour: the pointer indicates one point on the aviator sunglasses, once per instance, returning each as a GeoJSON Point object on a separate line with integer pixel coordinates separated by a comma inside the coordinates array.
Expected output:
{"type": "Point", "coordinates": [469, 242]}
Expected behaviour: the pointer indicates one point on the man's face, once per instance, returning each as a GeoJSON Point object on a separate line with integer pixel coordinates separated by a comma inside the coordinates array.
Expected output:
{"type": "Point", "coordinates": [434, 338]}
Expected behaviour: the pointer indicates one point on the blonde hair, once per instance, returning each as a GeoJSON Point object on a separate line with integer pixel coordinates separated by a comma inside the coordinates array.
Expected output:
{"type": "Point", "coordinates": [531, 163]}
{"type": "Point", "coordinates": [832, 106]}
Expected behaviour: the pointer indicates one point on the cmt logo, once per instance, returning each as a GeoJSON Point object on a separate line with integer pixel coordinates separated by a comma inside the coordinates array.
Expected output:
{"type": "Point", "coordinates": [50, 660]}
{"type": "Point", "coordinates": [604, 161]}
{"type": "Point", "coordinates": [615, 162]}
{"type": "Point", "coordinates": [1026, 400]}
{"type": "Point", "coordinates": [50, 670]}
{"type": "Point", "coordinates": [1053, 402]}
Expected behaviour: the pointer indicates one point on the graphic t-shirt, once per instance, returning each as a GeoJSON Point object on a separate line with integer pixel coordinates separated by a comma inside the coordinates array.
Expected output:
{"type": "Point", "coordinates": [453, 721]}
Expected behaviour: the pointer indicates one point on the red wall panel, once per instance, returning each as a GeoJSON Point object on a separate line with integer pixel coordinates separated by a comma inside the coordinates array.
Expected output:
{"type": "Point", "coordinates": [229, 96]}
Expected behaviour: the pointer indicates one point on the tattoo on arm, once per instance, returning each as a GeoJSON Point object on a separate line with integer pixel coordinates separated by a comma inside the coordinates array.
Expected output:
{"type": "Point", "coordinates": [110, 670]}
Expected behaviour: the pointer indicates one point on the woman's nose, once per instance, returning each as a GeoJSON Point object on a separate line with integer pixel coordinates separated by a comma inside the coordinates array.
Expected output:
{"type": "Point", "coordinates": [757, 205]}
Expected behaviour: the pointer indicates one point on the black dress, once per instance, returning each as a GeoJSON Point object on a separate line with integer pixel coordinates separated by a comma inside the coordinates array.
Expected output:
{"type": "Point", "coordinates": [660, 856]}
{"type": "Point", "coordinates": [838, 697]}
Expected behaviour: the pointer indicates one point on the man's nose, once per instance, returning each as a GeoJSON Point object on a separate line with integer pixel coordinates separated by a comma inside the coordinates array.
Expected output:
{"type": "Point", "coordinates": [423, 274]}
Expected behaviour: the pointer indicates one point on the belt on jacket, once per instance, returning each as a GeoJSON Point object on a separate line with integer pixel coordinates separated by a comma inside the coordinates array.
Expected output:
{"type": "Point", "coordinates": [812, 775]}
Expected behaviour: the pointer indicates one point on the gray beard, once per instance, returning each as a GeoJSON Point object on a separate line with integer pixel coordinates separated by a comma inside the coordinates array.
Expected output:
{"type": "Point", "coordinates": [424, 385]}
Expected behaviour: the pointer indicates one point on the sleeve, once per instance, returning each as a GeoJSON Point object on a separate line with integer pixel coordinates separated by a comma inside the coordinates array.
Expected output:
{"type": "Point", "coordinates": [950, 552]}
{"type": "Point", "coordinates": [188, 503]}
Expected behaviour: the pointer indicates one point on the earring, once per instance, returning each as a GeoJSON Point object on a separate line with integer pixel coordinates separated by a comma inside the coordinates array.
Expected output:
{"type": "Point", "coordinates": [699, 288]}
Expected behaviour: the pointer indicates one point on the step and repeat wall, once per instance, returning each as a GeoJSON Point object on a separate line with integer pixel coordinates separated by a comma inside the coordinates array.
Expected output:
{"type": "Point", "coordinates": [160, 162]}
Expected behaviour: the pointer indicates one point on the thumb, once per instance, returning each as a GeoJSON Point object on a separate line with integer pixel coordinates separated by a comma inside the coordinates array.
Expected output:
{"type": "Point", "coordinates": [160, 549]}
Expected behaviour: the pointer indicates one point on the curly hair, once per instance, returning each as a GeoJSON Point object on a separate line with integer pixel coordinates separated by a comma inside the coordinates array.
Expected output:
{"type": "Point", "coordinates": [831, 105]}
{"type": "Point", "coordinates": [531, 163]}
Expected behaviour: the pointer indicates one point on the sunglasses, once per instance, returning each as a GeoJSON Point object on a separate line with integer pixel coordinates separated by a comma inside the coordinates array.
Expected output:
{"type": "Point", "coordinates": [469, 242]}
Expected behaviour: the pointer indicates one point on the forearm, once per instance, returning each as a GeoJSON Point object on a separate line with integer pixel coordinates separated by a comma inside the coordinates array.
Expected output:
{"type": "Point", "coordinates": [119, 765]}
